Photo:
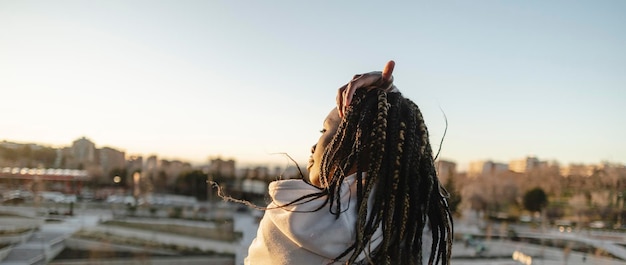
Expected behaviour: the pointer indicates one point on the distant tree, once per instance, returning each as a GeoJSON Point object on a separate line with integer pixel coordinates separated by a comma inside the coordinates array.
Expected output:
{"type": "Point", "coordinates": [455, 196]}
{"type": "Point", "coordinates": [192, 183]}
{"type": "Point", "coordinates": [45, 156]}
{"type": "Point", "coordinates": [535, 200]}
{"type": "Point", "coordinates": [500, 195]}
{"type": "Point", "coordinates": [555, 211]}
{"type": "Point", "coordinates": [25, 152]}
{"type": "Point", "coordinates": [9, 154]}
{"type": "Point", "coordinates": [160, 182]}
{"type": "Point", "coordinates": [477, 203]}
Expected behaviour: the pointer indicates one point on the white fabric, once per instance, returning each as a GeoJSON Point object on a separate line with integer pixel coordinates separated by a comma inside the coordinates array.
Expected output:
{"type": "Point", "coordinates": [295, 235]}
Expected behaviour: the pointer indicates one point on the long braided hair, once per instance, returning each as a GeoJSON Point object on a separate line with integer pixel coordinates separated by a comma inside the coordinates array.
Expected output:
{"type": "Point", "coordinates": [384, 135]}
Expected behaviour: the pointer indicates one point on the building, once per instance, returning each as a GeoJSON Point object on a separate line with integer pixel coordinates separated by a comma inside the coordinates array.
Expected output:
{"type": "Point", "coordinates": [84, 151]}
{"type": "Point", "coordinates": [525, 165]}
{"type": "Point", "coordinates": [577, 170]}
{"type": "Point", "coordinates": [222, 167]}
{"type": "Point", "coordinates": [174, 168]}
{"type": "Point", "coordinates": [111, 159]}
{"type": "Point", "coordinates": [134, 163]}
{"type": "Point", "coordinates": [263, 172]}
{"type": "Point", "coordinates": [68, 181]}
{"type": "Point", "coordinates": [151, 167]}
{"type": "Point", "coordinates": [445, 170]}
{"type": "Point", "coordinates": [486, 168]}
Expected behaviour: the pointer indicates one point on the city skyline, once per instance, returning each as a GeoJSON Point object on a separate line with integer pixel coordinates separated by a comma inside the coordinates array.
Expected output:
{"type": "Point", "coordinates": [469, 167]}
{"type": "Point", "coordinates": [200, 79]}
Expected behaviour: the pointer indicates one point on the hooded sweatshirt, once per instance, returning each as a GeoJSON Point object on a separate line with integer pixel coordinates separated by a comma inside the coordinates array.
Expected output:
{"type": "Point", "coordinates": [298, 234]}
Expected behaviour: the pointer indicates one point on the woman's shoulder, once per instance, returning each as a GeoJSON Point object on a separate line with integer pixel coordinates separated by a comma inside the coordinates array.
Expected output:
{"type": "Point", "coordinates": [286, 184]}
{"type": "Point", "coordinates": [300, 184]}
{"type": "Point", "coordinates": [288, 190]}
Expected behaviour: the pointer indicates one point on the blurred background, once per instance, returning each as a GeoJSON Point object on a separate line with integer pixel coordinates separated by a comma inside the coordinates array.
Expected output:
{"type": "Point", "coordinates": [117, 116]}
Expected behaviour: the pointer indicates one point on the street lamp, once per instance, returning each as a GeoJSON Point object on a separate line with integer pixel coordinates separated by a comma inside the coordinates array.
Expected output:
{"type": "Point", "coordinates": [136, 178]}
{"type": "Point", "coordinates": [136, 187]}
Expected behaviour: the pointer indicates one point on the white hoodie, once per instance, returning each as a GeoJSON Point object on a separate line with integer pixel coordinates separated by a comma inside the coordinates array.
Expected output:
{"type": "Point", "coordinates": [296, 235]}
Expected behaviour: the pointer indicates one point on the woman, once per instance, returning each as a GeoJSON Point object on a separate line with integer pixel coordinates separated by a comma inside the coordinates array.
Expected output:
{"type": "Point", "coordinates": [372, 194]}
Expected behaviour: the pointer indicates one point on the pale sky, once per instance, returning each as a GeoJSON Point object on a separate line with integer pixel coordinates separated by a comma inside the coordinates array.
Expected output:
{"type": "Point", "coordinates": [246, 79]}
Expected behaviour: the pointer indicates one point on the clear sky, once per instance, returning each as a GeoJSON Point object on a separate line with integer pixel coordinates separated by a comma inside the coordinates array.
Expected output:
{"type": "Point", "coordinates": [246, 79]}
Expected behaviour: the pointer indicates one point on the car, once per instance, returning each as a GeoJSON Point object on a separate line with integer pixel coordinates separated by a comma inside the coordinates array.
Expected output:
{"type": "Point", "coordinates": [597, 224]}
{"type": "Point", "coordinates": [567, 229]}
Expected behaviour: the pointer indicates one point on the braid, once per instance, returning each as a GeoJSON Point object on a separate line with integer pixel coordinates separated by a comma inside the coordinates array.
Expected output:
{"type": "Point", "coordinates": [384, 135]}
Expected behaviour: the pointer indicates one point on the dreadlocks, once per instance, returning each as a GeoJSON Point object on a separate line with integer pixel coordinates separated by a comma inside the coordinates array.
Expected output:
{"type": "Point", "coordinates": [384, 136]}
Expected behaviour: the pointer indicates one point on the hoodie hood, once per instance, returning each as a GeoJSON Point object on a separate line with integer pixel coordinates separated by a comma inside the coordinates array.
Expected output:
{"type": "Point", "coordinates": [302, 234]}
